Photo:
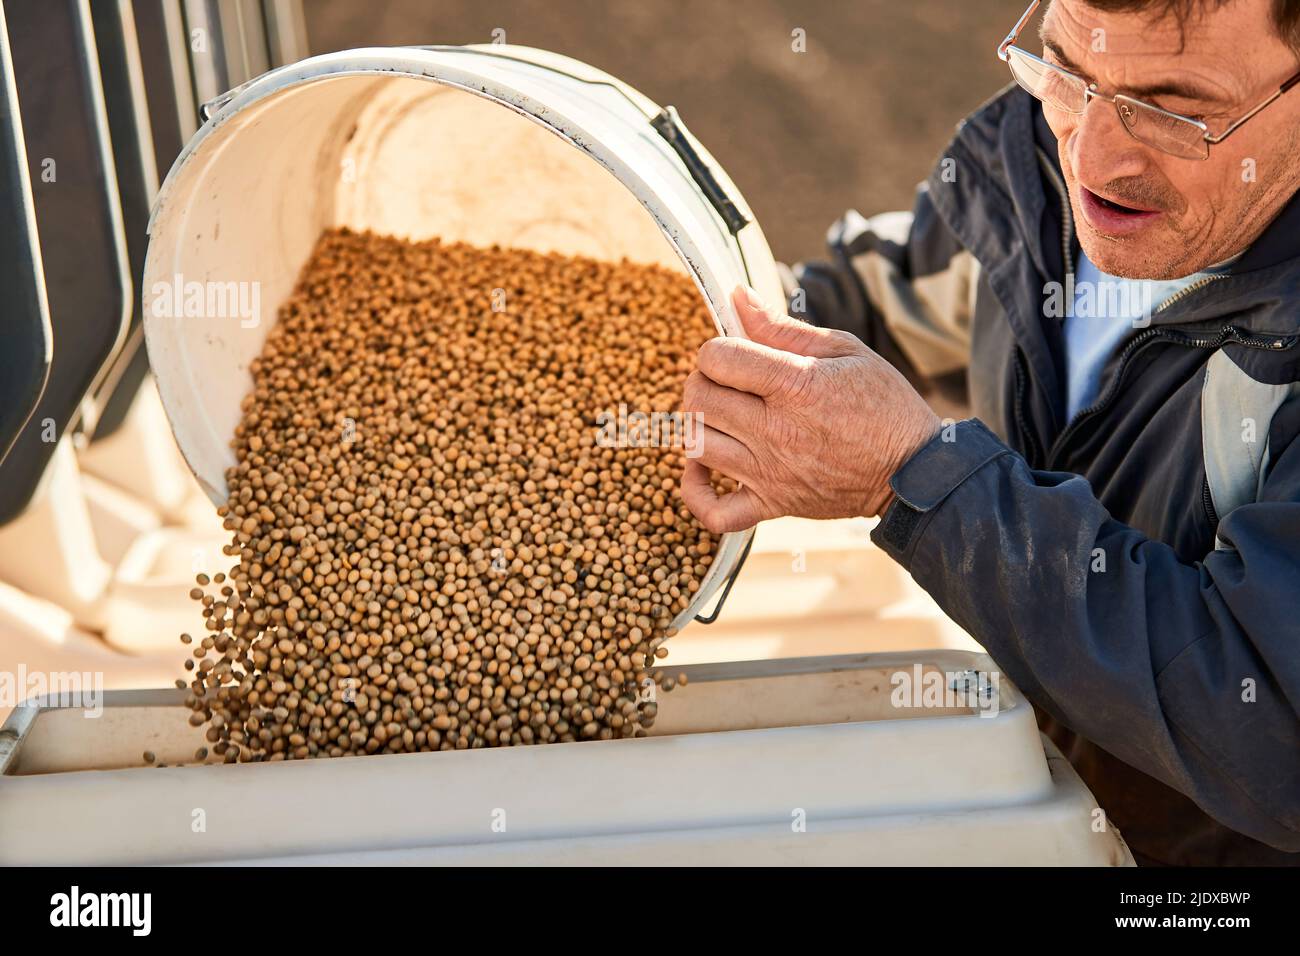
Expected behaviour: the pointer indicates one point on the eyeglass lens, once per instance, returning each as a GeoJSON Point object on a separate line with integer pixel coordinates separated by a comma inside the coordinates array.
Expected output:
{"type": "Point", "coordinates": [1063, 91]}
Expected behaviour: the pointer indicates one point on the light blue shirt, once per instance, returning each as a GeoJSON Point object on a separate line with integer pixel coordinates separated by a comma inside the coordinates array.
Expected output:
{"type": "Point", "coordinates": [1104, 309]}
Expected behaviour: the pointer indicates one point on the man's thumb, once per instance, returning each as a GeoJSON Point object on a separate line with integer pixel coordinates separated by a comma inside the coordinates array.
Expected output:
{"type": "Point", "coordinates": [767, 326]}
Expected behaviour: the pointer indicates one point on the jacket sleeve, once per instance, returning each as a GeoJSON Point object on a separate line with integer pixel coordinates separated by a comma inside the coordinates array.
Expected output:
{"type": "Point", "coordinates": [1188, 672]}
{"type": "Point", "coordinates": [899, 281]}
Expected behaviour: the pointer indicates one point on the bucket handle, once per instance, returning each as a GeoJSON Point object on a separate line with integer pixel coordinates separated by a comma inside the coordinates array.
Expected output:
{"type": "Point", "coordinates": [726, 589]}
{"type": "Point", "coordinates": [670, 126]}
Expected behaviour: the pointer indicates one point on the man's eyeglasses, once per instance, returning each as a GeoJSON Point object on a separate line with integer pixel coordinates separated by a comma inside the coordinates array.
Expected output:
{"type": "Point", "coordinates": [1177, 135]}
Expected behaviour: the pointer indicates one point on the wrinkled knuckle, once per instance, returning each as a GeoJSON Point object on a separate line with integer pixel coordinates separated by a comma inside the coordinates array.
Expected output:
{"type": "Point", "coordinates": [846, 342]}
{"type": "Point", "coordinates": [800, 379]}
{"type": "Point", "coordinates": [780, 432]}
{"type": "Point", "coordinates": [765, 475]}
{"type": "Point", "coordinates": [776, 381]}
{"type": "Point", "coordinates": [693, 391]}
{"type": "Point", "coordinates": [711, 351]}
{"type": "Point", "coordinates": [713, 522]}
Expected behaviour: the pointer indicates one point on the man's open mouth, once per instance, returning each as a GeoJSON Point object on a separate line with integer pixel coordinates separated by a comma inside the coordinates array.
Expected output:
{"type": "Point", "coordinates": [1118, 207]}
{"type": "Point", "coordinates": [1111, 217]}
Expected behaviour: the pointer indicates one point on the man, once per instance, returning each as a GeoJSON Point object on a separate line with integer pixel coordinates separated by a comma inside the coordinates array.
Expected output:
{"type": "Point", "coordinates": [1119, 525]}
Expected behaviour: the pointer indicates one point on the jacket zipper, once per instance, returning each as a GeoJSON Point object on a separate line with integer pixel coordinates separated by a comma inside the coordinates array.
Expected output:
{"type": "Point", "coordinates": [1182, 293]}
{"type": "Point", "coordinates": [1135, 342]}
{"type": "Point", "coordinates": [1228, 333]}
{"type": "Point", "coordinates": [1027, 437]}
{"type": "Point", "coordinates": [1207, 500]}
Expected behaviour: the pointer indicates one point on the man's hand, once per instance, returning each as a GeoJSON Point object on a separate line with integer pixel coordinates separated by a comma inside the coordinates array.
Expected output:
{"type": "Point", "coordinates": [810, 421]}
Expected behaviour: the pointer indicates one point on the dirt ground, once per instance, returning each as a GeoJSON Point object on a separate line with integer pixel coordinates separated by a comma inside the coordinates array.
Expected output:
{"type": "Point", "coordinates": [855, 121]}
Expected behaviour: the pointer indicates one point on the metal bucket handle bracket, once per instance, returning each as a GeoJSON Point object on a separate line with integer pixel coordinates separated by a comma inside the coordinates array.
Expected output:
{"type": "Point", "coordinates": [731, 579]}
{"type": "Point", "coordinates": [670, 126]}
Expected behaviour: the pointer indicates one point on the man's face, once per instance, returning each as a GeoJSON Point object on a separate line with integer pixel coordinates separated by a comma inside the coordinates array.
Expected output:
{"type": "Point", "coordinates": [1142, 213]}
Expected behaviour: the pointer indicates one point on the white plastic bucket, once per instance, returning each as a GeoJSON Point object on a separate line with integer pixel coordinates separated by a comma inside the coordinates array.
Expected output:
{"type": "Point", "coordinates": [423, 142]}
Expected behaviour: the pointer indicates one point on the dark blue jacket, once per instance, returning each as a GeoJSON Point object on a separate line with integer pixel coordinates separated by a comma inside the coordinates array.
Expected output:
{"type": "Point", "coordinates": [1170, 677]}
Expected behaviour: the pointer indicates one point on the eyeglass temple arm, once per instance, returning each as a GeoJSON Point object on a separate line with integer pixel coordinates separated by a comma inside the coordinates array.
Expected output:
{"type": "Point", "coordinates": [1015, 31]}
{"type": "Point", "coordinates": [1276, 93]}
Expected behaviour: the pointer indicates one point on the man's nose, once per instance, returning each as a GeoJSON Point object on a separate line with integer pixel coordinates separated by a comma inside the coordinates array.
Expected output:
{"type": "Point", "coordinates": [1101, 148]}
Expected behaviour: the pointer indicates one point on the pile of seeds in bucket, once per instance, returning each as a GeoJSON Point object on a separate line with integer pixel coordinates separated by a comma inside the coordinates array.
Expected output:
{"type": "Point", "coordinates": [436, 550]}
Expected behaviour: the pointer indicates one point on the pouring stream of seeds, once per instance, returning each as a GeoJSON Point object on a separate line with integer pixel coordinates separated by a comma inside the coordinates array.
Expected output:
{"type": "Point", "coordinates": [435, 550]}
